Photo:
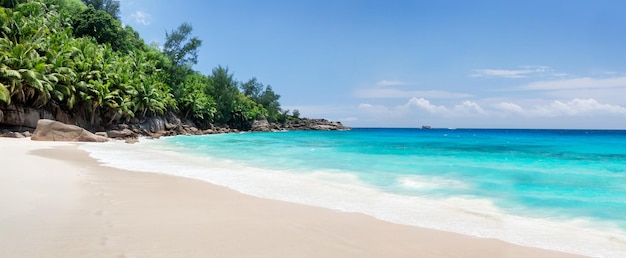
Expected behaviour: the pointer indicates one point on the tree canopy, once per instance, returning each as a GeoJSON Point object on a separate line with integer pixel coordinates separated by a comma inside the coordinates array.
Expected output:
{"type": "Point", "coordinates": [112, 7]}
{"type": "Point", "coordinates": [181, 47]}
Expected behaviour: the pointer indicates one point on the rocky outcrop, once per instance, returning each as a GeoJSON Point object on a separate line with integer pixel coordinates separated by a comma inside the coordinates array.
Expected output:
{"type": "Point", "coordinates": [15, 118]}
{"type": "Point", "coordinates": [298, 124]}
{"type": "Point", "coordinates": [20, 118]}
{"type": "Point", "coordinates": [260, 126]}
{"type": "Point", "coordinates": [264, 126]}
{"type": "Point", "coordinates": [218, 130]}
{"type": "Point", "coordinates": [155, 127]}
{"type": "Point", "coordinates": [314, 124]}
{"type": "Point", "coordinates": [50, 130]}
{"type": "Point", "coordinates": [124, 133]}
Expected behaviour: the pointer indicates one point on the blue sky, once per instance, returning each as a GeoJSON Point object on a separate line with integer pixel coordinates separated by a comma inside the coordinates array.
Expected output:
{"type": "Point", "coordinates": [489, 64]}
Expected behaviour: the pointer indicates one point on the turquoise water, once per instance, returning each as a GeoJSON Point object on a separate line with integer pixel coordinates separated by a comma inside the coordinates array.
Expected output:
{"type": "Point", "coordinates": [551, 172]}
{"type": "Point", "coordinates": [532, 187]}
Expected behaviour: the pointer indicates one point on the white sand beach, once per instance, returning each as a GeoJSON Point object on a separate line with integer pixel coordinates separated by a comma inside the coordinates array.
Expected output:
{"type": "Point", "coordinates": [56, 201]}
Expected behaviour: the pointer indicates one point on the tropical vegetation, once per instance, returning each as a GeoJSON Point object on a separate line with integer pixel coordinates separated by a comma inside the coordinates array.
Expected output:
{"type": "Point", "coordinates": [77, 57]}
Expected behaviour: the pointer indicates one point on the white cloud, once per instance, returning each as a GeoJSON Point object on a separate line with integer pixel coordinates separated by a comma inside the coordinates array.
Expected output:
{"type": "Point", "coordinates": [469, 107]}
{"type": "Point", "coordinates": [578, 107]}
{"type": "Point", "coordinates": [465, 108]}
{"type": "Point", "coordinates": [510, 73]}
{"type": "Point", "coordinates": [426, 105]}
{"type": "Point", "coordinates": [578, 83]}
{"type": "Point", "coordinates": [605, 90]}
{"type": "Point", "coordinates": [501, 73]}
{"type": "Point", "coordinates": [141, 17]}
{"type": "Point", "coordinates": [390, 83]}
{"type": "Point", "coordinates": [537, 68]}
{"type": "Point", "coordinates": [510, 107]}
{"type": "Point", "coordinates": [378, 109]}
{"type": "Point", "coordinates": [557, 108]}
{"type": "Point", "coordinates": [397, 93]}
{"type": "Point", "coordinates": [561, 75]}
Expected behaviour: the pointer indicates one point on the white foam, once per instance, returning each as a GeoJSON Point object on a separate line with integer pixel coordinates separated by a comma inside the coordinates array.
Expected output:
{"type": "Point", "coordinates": [425, 183]}
{"type": "Point", "coordinates": [345, 192]}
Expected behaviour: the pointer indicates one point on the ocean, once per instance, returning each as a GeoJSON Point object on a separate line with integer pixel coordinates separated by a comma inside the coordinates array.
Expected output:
{"type": "Point", "coordinates": [555, 189]}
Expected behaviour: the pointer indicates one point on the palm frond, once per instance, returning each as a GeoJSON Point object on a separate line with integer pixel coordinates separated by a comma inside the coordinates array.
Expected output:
{"type": "Point", "coordinates": [5, 95]}
{"type": "Point", "coordinates": [9, 74]}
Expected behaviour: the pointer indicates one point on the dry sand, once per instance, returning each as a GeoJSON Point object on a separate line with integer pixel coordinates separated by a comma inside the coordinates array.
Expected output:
{"type": "Point", "coordinates": [56, 201]}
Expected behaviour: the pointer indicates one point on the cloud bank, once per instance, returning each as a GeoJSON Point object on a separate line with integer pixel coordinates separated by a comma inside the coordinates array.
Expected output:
{"type": "Point", "coordinates": [504, 113]}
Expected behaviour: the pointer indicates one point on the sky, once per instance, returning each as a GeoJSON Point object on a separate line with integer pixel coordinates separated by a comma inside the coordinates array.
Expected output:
{"type": "Point", "coordinates": [408, 63]}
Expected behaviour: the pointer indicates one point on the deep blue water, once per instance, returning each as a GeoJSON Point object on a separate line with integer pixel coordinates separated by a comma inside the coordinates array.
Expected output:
{"type": "Point", "coordinates": [508, 184]}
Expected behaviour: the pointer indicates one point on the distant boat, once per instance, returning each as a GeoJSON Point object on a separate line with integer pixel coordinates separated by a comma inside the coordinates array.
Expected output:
{"type": "Point", "coordinates": [426, 127]}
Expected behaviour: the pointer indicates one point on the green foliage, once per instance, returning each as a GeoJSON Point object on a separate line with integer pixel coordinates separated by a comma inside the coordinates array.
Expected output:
{"type": "Point", "coordinates": [180, 47]}
{"type": "Point", "coordinates": [283, 117]}
{"type": "Point", "coordinates": [42, 64]}
{"type": "Point", "coordinates": [194, 102]}
{"type": "Point", "coordinates": [252, 88]}
{"type": "Point", "coordinates": [244, 111]}
{"type": "Point", "coordinates": [269, 100]}
{"type": "Point", "coordinates": [264, 96]}
{"type": "Point", "coordinates": [225, 91]}
{"type": "Point", "coordinates": [29, 21]}
{"type": "Point", "coordinates": [23, 69]}
{"type": "Point", "coordinates": [10, 3]}
{"type": "Point", "coordinates": [129, 40]}
{"type": "Point", "coordinates": [105, 29]}
{"type": "Point", "coordinates": [5, 95]}
{"type": "Point", "coordinates": [99, 25]}
{"type": "Point", "coordinates": [181, 50]}
{"type": "Point", "coordinates": [69, 7]}
{"type": "Point", "coordinates": [112, 7]}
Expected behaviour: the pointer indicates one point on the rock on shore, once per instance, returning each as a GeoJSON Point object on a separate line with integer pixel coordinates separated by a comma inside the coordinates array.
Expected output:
{"type": "Point", "coordinates": [299, 124]}
{"type": "Point", "coordinates": [315, 124]}
{"type": "Point", "coordinates": [50, 130]}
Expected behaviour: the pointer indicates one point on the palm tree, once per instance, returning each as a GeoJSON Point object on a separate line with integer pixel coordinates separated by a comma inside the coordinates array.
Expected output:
{"type": "Point", "coordinates": [22, 69]}
{"type": "Point", "coordinates": [60, 68]}
{"type": "Point", "coordinates": [149, 98]}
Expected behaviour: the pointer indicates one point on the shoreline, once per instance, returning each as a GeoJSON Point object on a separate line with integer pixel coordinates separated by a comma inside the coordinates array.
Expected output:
{"type": "Point", "coordinates": [77, 208]}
